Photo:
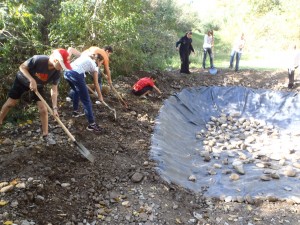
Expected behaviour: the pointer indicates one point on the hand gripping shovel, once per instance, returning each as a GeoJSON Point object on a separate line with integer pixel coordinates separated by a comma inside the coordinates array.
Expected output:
{"type": "Point", "coordinates": [85, 152]}
{"type": "Point", "coordinates": [104, 103]}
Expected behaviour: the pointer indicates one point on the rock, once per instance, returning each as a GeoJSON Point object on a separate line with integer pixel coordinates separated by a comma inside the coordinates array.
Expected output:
{"type": "Point", "coordinates": [238, 166]}
{"type": "Point", "coordinates": [192, 178]}
{"type": "Point", "coordinates": [275, 175]}
{"type": "Point", "coordinates": [137, 177]}
{"type": "Point", "coordinates": [290, 172]}
{"type": "Point", "coordinates": [64, 185]}
{"type": "Point", "coordinates": [7, 141]}
{"type": "Point", "coordinates": [234, 176]}
{"type": "Point", "coordinates": [6, 188]}
{"type": "Point", "coordinates": [296, 165]}
{"type": "Point", "coordinates": [265, 177]}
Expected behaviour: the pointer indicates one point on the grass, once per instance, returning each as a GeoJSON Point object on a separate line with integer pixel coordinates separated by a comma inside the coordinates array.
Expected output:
{"type": "Point", "coordinates": [258, 60]}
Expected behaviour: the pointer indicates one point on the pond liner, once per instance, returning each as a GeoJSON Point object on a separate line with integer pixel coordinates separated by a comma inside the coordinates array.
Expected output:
{"type": "Point", "coordinates": [176, 149]}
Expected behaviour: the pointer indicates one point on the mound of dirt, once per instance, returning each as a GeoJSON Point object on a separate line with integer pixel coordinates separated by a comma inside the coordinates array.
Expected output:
{"type": "Point", "coordinates": [54, 184]}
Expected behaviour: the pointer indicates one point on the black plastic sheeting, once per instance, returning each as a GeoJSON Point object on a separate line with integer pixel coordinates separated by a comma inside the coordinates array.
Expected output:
{"type": "Point", "coordinates": [175, 147]}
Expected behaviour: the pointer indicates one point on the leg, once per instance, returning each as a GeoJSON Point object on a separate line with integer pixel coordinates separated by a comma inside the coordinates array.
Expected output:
{"type": "Point", "coordinates": [238, 57]}
{"type": "Point", "coordinates": [43, 116]}
{"type": "Point", "coordinates": [6, 108]}
{"type": "Point", "coordinates": [73, 92]}
{"type": "Point", "coordinates": [204, 57]}
{"type": "Point", "coordinates": [182, 62]}
{"type": "Point", "coordinates": [231, 59]}
{"type": "Point", "coordinates": [291, 75]}
{"type": "Point", "coordinates": [74, 96]}
{"type": "Point", "coordinates": [185, 63]}
{"type": "Point", "coordinates": [210, 58]}
{"type": "Point", "coordinates": [84, 96]}
{"type": "Point", "coordinates": [14, 95]}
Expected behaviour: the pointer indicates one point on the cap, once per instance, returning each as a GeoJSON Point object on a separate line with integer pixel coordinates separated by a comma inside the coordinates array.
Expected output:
{"type": "Point", "coordinates": [62, 56]}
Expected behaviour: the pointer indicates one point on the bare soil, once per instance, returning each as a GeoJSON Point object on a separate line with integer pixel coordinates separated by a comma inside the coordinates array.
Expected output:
{"type": "Point", "coordinates": [122, 187]}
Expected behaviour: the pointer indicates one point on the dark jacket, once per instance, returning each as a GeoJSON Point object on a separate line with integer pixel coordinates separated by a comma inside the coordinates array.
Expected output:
{"type": "Point", "coordinates": [185, 45]}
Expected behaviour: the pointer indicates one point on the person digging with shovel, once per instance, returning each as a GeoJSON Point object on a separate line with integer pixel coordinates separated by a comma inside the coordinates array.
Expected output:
{"type": "Point", "coordinates": [105, 53]}
{"type": "Point", "coordinates": [33, 75]}
{"type": "Point", "coordinates": [76, 79]}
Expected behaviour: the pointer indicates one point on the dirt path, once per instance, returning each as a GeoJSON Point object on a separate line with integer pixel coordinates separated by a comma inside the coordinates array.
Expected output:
{"type": "Point", "coordinates": [56, 185]}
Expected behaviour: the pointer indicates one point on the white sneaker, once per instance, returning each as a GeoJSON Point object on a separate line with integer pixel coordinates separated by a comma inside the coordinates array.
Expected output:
{"type": "Point", "coordinates": [68, 99]}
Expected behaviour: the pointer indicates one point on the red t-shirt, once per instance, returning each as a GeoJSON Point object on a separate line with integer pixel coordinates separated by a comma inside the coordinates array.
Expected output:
{"type": "Point", "coordinates": [143, 82]}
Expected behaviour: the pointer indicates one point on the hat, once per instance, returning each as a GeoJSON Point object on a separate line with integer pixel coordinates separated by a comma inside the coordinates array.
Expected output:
{"type": "Point", "coordinates": [62, 56]}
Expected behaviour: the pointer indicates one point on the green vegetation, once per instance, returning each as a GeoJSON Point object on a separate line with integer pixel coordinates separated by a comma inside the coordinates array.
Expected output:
{"type": "Point", "coordinates": [143, 32]}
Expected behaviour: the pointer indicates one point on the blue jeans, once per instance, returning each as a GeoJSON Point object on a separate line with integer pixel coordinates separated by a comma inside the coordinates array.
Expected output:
{"type": "Point", "coordinates": [238, 57]}
{"type": "Point", "coordinates": [80, 91]}
{"type": "Point", "coordinates": [209, 51]}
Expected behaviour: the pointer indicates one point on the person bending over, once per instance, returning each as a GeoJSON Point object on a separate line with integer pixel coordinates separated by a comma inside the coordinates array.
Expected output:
{"type": "Point", "coordinates": [33, 75]}
{"type": "Point", "coordinates": [144, 86]}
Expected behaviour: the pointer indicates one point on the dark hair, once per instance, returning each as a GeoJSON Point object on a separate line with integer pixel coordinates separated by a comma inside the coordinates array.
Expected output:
{"type": "Point", "coordinates": [189, 32]}
{"type": "Point", "coordinates": [108, 48]}
{"type": "Point", "coordinates": [153, 76]}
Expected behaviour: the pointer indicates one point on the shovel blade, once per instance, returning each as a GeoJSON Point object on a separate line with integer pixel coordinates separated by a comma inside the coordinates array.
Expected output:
{"type": "Point", "coordinates": [85, 152]}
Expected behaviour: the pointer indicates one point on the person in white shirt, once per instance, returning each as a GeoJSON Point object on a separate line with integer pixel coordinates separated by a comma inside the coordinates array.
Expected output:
{"type": "Point", "coordinates": [294, 63]}
{"type": "Point", "coordinates": [76, 79]}
{"type": "Point", "coordinates": [237, 49]}
{"type": "Point", "coordinates": [207, 48]}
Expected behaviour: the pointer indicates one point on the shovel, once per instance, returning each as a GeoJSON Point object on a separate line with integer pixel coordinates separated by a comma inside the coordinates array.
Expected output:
{"type": "Point", "coordinates": [118, 96]}
{"type": "Point", "coordinates": [84, 151]}
{"type": "Point", "coordinates": [104, 103]}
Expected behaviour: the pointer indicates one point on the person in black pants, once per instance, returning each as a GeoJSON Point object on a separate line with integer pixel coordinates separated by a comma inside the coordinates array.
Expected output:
{"type": "Point", "coordinates": [185, 50]}
{"type": "Point", "coordinates": [294, 62]}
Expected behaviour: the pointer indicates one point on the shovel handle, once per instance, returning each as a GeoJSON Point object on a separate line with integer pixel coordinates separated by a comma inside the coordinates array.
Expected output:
{"type": "Point", "coordinates": [56, 117]}
{"type": "Point", "coordinates": [104, 103]}
{"type": "Point", "coordinates": [94, 93]}
{"type": "Point", "coordinates": [118, 96]}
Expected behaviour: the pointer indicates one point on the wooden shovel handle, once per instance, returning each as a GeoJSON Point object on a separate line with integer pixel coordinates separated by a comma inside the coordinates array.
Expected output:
{"type": "Point", "coordinates": [56, 117]}
{"type": "Point", "coordinates": [118, 96]}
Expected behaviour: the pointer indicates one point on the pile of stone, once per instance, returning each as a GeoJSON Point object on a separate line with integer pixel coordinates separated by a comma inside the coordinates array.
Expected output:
{"type": "Point", "coordinates": [236, 141]}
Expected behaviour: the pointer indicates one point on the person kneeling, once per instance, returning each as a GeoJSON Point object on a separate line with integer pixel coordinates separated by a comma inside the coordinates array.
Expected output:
{"type": "Point", "coordinates": [144, 86]}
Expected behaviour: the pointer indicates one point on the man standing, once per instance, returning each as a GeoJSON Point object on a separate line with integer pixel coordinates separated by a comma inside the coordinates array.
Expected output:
{"type": "Point", "coordinates": [34, 74]}
{"type": "Point", "coordinates": [185, 50]}
{"type": "Point", "coordinates": [237, 50]}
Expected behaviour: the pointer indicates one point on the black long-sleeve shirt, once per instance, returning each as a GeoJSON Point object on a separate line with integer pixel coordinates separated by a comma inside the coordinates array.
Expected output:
{"type": "Point", "coordinates": [185, 45]}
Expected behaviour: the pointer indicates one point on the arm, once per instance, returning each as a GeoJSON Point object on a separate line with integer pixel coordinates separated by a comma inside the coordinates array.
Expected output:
{"type": "Point", "coordinates": [54, 95]}
{"type": "Point", "coordinates": [157, 90]}
{"type": "Point", "coordinates": [25, 71]}
{"type": "Point", "coordinates": [96, 85]}
{"type": "Point", "coordinates": [73, 51]}
{"type": "Point", "coordinates": [192, 49]}
{"type": "Point", "coordinates": [107, 73]}
{"type": "Point", "coordinates": [178, 43]}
